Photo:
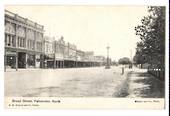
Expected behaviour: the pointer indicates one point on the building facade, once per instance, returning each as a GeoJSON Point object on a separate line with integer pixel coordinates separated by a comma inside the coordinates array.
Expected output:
{"type": "Point", "coordinates": [27, 47]}
{"type": "Point", "coordinates": [59, 54]}
{"type": "Point", "coordinates": [24, 42]}
{"type": "Point", "coordinates": [80, 58]}
{"type": "Point", "coordinates": [59, 49]}
{"type": "Point", "coordinates": [89, 59]}
{"type": "Point", "coordinates": [70, 55]}
{"type": "Point", "coordinates": [99, 60]}
{"type": "Point", "coordinates": [49, 52]}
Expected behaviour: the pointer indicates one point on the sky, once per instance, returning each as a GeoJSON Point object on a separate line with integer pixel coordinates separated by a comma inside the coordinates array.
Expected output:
{"type": "Point", "coordinates": [90, 28]}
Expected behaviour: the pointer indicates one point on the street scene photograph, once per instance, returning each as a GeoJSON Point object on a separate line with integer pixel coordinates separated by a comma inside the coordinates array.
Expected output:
{"type": "Point", "coordinates": [84, 51]}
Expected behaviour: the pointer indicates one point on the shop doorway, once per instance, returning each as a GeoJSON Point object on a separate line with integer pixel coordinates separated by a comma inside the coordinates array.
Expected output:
{"type": "Point", "coordinates": [21, 60]}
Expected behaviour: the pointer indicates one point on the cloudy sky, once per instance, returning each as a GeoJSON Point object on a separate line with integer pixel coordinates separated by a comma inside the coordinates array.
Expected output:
{"type": "Point", "coordinates": [91, 28]}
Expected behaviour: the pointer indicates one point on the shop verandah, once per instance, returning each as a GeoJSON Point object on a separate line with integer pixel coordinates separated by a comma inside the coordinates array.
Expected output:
{"type": "Point", "coordinates": [22, 59]}
{"type": "Point", "coordinates": [54, 64]}
{"type": "Point", "coordinates": [61, 63]}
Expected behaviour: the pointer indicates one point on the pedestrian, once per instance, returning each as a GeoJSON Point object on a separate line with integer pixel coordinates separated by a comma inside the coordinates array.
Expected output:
{"type": "Point", "coordinates": [122, 70]}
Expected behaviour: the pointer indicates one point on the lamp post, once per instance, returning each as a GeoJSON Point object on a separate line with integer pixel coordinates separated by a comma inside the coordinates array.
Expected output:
{"type": "Point", "coordinates": [108, 62]}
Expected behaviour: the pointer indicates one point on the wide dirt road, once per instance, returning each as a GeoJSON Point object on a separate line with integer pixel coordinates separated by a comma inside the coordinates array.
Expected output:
{"type": "Point", "coordinates": [71, 82]}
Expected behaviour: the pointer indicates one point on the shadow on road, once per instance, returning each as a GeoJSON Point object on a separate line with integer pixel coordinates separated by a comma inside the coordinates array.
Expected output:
{"type": "Point", "coordinates": [123, 89]}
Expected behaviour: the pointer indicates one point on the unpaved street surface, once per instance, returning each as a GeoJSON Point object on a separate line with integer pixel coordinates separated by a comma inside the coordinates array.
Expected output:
{"type": "Point", "coordinates": [83, 82]}
{"type": "Point", "coordinates": [70, 82]}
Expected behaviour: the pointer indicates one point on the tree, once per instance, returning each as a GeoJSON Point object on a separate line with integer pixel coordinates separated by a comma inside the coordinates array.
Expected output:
{"type": "Point", "coordinates": [124, 61]}
{"type": "Point", "coordinates": [151, 48]}
{"type": "Point", "coordinates": [114, 63]}
{"type": "Point", "coordinates": [139, 58]}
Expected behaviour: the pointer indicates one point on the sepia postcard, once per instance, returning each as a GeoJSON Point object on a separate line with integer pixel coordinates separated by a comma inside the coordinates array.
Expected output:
{"type": "Point", "coordinates": [84, 56]}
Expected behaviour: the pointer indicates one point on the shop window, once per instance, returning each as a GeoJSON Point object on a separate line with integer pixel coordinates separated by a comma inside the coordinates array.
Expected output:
{"type": "Point", "coordinates": [11, 60]}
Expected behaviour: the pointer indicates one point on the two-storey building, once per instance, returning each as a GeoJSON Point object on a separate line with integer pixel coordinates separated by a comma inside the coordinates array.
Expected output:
{"type": "Point", "coordinates": [24, 42]}
{"type": "Point", "coordinates": [49, 52]}
{"type": "Point", "coordinates": [59, 49]}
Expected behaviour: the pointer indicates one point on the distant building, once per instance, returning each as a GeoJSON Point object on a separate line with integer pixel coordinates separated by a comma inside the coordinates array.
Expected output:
{"type": "Point", "coordinates": [89, 56]}
{"type": "Point", "coordinates": [80, 55]}
{"type": "Point", "coordinates": [59, 49]}
{"type": "Point", "coordinates": [100, 60]}
{"type": "Point", "coordinates": [49, 45]}
{"type": "Point", "coordinates": [70, 55]}
{"type": "Point", "coordinates": [49, 51]}
{"type": "Point", "coordinates": [80, 58]}
{"type": "Point", "coordinates": [24, 42]}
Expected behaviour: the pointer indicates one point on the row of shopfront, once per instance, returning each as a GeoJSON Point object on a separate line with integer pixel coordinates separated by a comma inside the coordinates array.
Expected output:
{"type": "Point", "coordinates": [61, 54]}
{"type": "Point", "coordinates": [69, 63]}
{"type": "Point", "coordinates": [24, 58]}
{"type": "Point", "coordinates": [27, 47]}
{"type": "Point", "coordinates": [15, 59]}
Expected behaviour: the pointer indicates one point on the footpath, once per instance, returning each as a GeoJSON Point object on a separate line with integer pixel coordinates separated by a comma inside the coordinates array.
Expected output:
{"type": "Point", "coordinates": [143, 85]}
{"type": "Point", "coordinates": [140, 84]}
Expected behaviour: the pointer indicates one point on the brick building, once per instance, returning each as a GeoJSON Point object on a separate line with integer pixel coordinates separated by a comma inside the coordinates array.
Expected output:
{"type": "Point", "coordinates": [24, 42]}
